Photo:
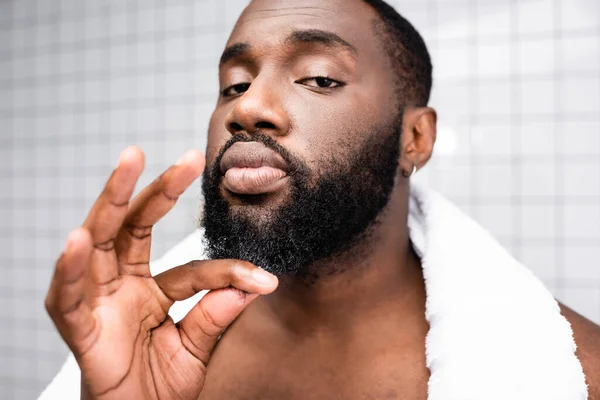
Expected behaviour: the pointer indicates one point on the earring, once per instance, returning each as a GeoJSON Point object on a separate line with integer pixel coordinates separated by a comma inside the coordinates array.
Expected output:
{"type": "Point", "coordinates": [414, 171]}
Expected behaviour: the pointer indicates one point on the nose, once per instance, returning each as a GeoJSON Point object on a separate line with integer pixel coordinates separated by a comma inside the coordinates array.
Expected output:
{"type": "Point", "coordinates": [258, 109]}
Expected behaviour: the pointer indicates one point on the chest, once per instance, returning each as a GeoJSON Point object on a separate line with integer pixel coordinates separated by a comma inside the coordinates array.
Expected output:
{"type": "Point", "coordinates": [300, 373]}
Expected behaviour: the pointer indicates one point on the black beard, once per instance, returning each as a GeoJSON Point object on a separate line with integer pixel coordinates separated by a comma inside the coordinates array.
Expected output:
{"type": "Point", "coordinates": [319, 222]}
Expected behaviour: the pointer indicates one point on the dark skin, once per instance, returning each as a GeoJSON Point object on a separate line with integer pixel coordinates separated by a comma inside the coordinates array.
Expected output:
{"type": "Point", "coordinates": [355, 335]}
{"type": "Point", "coordinates": [333, 319]}
{"type": "Point", "coordinates": [264, 353]}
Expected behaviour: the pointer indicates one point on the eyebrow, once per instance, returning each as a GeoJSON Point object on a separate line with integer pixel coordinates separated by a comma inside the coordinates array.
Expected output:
{"type": "Point", "coordinates": [318, 36]}
{"type": "Point", "coordinates": [307, 36]}
{"type": "Point", "coordinates": [233, 51]}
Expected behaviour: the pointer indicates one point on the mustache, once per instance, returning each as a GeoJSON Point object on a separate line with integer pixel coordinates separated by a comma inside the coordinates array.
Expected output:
{"type": "Point", "coordinates": [295, 164]}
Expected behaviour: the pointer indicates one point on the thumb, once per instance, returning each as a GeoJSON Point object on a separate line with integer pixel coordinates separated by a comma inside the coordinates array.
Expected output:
{"type": "Point", "coordinates": [203, 325]}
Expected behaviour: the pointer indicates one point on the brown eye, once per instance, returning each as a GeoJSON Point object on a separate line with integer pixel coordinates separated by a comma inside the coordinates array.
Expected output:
{"type": "Point", "coordinates": [321, 82]}
{"type": "Point", "coordinates": [324, 82]}
{"type": "Point", "coordinates": [235, 89]}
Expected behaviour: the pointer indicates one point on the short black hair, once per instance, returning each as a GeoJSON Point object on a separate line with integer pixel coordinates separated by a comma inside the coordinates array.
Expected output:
{"type": "Point", "coordinates": [408, 53]}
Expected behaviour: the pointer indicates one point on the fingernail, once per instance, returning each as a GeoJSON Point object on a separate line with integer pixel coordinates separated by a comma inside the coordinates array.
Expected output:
{"type": "Point", "coordinates": [187, 157]}
{"type": "Point", "coordinates": [262, 277]}
{"type": "Point", "coordinates": [121, 157]}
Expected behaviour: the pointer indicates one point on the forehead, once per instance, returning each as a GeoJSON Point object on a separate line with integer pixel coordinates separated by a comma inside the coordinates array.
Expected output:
{"type": "Point", "coordinates": [269, 22]}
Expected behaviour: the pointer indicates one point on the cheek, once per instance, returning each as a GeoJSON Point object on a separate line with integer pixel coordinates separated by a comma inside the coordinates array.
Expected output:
{"type": "Point", "coordinates": [217, 136]}
{"type": "Point", "coordinates": [329, 126]}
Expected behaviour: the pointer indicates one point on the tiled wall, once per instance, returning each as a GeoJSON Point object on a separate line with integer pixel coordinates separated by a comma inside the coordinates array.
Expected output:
{"type": "Point", "coordinates": [517, 87]}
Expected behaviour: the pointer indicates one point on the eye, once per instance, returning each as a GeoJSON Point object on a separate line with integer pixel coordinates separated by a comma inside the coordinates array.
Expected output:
{"type": "Point", "coordinates": [321, 82]}
{"type": "Point", "coordinates": [234, 90]}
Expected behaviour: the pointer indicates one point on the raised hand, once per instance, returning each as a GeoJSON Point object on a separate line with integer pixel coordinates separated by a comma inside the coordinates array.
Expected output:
{"type": "Point", "coordinates": [113, 314]}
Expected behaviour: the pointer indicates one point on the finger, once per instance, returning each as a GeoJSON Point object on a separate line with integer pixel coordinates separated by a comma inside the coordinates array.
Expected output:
{"type": "Point", "coordinates": [148, 207]}
{"type": "Point", "coordinates": [108, 213]}
{"type": "Point", "coordinates": [65, 300]}
{"type": "Point", "coordinates": [201, 327]}
{"type": "Point", "coordinates": [183, 282]}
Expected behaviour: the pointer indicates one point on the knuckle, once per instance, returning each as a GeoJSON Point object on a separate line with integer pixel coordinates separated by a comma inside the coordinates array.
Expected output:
{"type": "Point", "coordinates": [210, 320]}
{"type": "Point", "coordinates": [49, 305]}
{"type": "Point", "coordinates": [236, 270]}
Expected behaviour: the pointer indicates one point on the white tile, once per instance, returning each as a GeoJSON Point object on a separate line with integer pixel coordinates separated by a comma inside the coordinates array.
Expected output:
{"type": "Point", "coordinates": [579, 14]}
{"type": "Point", "coordinates": [492, 140]}
{"type": "Point", "coordinates": [493, 19]}
{"type": "Point", "coordinates": [582, 262]}
{"type": "Point", "coordinates": [535, 16]}
{"type": "Point", "coordinates": [581, 94]}
{"type": "Point", "coordinates": [144, 118]}
{"type": "Point", "coordinates": [581, 180]}
{"type": "Point", "coordinates": [47, 34]}
{"type": "Point", "coordinates": [120, 121]}
{"type": "Point", "coordinates": [537, 96]}
{"type": "Point", "coordinates": [177, 16]}
{"type": "Point", "coordinates": [23, 38]}
{"type": "Point", "coordinates": [498, 219]}
{"type": "Point", "coordinates": [579, 137]}
{"type": "Point", "coordinates": [144, 87]}
{"type": "Point", "coordinates": [70, 62]}
{"type": "Point", "coordinates": [176, 118]}
{"type": "Point", "coordinates": [494, 180]}
{"type": "Point", "coordinates": [205, 82]}
{"type": "Point", "coordinates": [145, 54]}
{"type": "Point", "coordinates": [204, 13]}
{"type": "Point", "coordinates": [91, 125]}
{"type": "Point", "coordinates": [494, 98]}
{"type": "Point", "coordinates": [582, 222]}
{"type": "Point", "coordinates": [23, 98]}
{"type": "Point", "coordinates": [176, 50]}
{"type": "Point", "coordinates": [148, 21]}
{"type": "Point", "coordinates": [579, 54]}
{"type": "Point", "coordinates": [46, 65]}
{"type": "Point", "coordinates": [493, 60]}
{"type": "Point", "coordinates": [451, 99]}
{"type": "Point", "coordinates": [22, 68]}
{"type": "Point", "coordinates": [121, 88]}
{"type": "Point", "coordinates": [454, 20]}
{"type": "Point", "coordinates": [536, 56]}
{"type": "Point", "coordinates": [95, 91]}
{"type": "Point", "coordinates": [71, 31]}
{"type": "Point", "coordinates": [208, 46]}
{"type": "Point", "coordinates": [45, 96]}
{"type": "Point", "coordinates": [536, 138]}
{"type": "Point", "coordinates": [538, 221]}
{"type": "Point", "coordinates": [453, 181]}
{"type": "Point", "coordinates": [538, 180]}
{"type": "Point", "coordinates": [96, 27]}
{"type": "Point", "coordinates": [118, 58]}
{"type": "Point", "coordinates": [451, 62]}
{"type": "Point", "coordinates": [96, 59]}
{"type": "Point", "coordinates": [118, 25]}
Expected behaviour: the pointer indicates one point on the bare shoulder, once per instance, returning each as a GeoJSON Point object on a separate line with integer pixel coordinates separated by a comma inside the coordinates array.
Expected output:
{"type": "Point", "coordinates": [587, 337]}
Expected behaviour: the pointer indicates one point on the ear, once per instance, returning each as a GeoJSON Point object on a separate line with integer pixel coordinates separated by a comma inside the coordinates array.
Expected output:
{"type": "Point", "coordinates": [419, 131]}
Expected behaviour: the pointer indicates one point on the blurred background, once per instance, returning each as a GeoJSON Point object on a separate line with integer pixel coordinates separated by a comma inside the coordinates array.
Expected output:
{"type": "Point", "coordinates": [517, 87]}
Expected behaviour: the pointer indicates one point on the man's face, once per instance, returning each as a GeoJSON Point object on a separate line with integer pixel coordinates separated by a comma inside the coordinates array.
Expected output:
{"type": "Point", "coordinates": [304, 142]}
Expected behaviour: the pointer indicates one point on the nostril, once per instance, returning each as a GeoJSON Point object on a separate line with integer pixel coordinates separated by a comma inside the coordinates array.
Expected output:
{"type": "Point", "coordinates": [235, 127]}
{"type": "Point", "coordinates": [264, 125]}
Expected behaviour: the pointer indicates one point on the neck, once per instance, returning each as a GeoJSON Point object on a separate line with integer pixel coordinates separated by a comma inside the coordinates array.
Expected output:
{"type": "Point", "coordinates": [382, 285]}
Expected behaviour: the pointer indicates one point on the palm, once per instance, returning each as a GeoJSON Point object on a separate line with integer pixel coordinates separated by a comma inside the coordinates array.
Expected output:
{"type": "Point", "coordinates": [114, 315]}
{"type": "Point", "coordinates": [124, 320]}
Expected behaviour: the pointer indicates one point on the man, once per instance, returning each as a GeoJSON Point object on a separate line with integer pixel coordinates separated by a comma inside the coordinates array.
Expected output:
{"type": "Point", "coordinates": [321, 120]}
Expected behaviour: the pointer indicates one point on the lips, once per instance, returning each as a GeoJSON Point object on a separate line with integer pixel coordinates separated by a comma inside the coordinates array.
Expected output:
{"type": "Point", "coordinates": [251, 168]}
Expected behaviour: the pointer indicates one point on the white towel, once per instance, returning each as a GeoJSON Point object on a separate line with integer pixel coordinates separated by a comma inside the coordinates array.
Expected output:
{"type": "Point", "coordinates": [495, 332]}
